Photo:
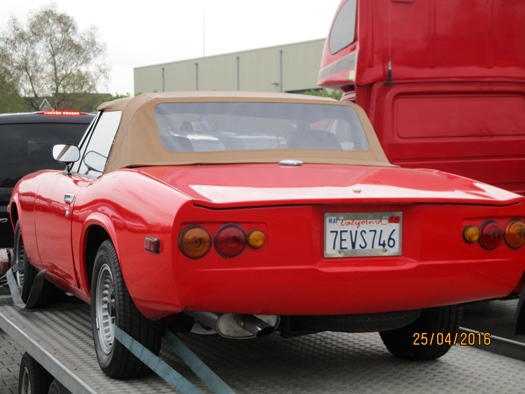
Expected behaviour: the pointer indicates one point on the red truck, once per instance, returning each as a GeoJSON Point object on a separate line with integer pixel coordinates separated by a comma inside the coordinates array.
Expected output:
{"type": "Point", "coordinates": [443, 82]}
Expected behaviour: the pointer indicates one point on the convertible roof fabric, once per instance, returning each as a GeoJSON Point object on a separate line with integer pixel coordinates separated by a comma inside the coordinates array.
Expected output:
{"type": "Point", "coordinates": [137, 142]}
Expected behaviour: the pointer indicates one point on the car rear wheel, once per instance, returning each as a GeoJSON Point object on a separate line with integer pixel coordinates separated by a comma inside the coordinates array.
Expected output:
{"type": "Point", "coordinates": [427, 338]}
{"type": "Point", "coordinates": [32, 378]}
{"type": "Point", "coordinates": [25, 275]}
{"type": "Point", "coordinates": [111, 305]}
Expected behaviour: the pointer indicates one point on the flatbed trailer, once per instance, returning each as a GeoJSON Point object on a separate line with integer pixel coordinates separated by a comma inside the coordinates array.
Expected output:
{"type": "Point", "coordinates": [59, 353]}
{"type": "Point", "coordinates": [60, 340]}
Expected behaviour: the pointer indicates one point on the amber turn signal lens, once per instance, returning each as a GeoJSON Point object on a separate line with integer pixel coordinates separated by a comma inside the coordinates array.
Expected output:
{"type": "Point", "coordinates": [471, 234]}
{"type": "Point", "coordinates": [515, 234]}
{"type": "Point", "coordinates": [256, 239]}
{"type": "Point", "coordinates": [194, 242]}
{"type": "Point", "coordinates": [490, 235]}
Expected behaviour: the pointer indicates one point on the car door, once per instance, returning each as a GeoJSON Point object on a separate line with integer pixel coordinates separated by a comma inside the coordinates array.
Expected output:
{"type": "Point", "coordinates": [55, 202]}
{"type": "Point", "coordinates": [53, 212]}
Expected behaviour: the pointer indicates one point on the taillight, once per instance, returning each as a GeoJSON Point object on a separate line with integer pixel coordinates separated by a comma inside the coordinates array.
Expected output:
{"type": "Point", "coordinates": [194, 242]}
{"type": "Point", "coordinates": [515, 234]}
{"type": "Point", "coordinates": [230, 240]}
{"type": "Point", "coordinates": [490, 235]}
{"type": "Point", "coordinates": [471, 234]}
{"type": "Point", "coordinates": [256, 239]}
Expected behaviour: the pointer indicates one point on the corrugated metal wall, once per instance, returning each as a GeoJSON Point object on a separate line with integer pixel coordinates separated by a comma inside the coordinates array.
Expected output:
{"type": "Point", "coordinates": [286, 68]}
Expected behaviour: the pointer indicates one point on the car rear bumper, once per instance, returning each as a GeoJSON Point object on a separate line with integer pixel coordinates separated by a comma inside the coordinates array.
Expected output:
{"type": "Point", "coordinates": [332, 289]}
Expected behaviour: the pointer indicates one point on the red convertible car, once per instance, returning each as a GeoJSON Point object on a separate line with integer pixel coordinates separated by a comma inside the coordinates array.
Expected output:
{"type": "Point", "coordinates": [245, 213]}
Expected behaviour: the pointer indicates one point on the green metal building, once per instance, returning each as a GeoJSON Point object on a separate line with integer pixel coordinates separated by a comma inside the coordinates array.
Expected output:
{"type": "Point", "coordinates": [283, 68]}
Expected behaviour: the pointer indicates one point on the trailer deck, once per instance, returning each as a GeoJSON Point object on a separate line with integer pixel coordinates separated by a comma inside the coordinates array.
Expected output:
{"type": "Point", "coordinates": [60, 339]}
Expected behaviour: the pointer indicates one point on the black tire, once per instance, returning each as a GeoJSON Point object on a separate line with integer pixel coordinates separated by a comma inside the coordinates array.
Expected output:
{"type": "Point", "coordinates": [358, 323]}
{"type": "Point", "coordinates": [111, 305]}
{"type": "Point", "coordinates": [427, 338]}
{"type": "Point", "coordinates": [32, 378]}
{"type": "Point", "coordinates": [57, 388]}
{"type": "Point", "coordinates": [25, 274]}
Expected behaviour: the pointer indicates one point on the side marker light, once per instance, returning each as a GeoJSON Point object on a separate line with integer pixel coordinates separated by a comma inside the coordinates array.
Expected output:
{"type": "Point", "coordinates": [152, 244]}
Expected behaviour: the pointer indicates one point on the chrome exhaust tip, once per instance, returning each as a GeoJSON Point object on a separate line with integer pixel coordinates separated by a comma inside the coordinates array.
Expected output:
{"type": "Point", "coordinates": [237, 326]}
{"type": "Point", "coordinates": [258, 327]}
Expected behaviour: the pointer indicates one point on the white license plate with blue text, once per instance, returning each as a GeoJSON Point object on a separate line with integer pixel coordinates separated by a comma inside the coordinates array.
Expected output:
{"type": "Point", "coordinates": [362, 234]}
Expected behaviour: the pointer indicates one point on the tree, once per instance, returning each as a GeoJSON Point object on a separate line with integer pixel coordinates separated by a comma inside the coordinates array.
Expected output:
{"type": "Point", "coordinates": [51, 58]}
{"type": "Point", "coordinates": [10, 101]}
{"type": "Point", "coordinates": [335, 94]}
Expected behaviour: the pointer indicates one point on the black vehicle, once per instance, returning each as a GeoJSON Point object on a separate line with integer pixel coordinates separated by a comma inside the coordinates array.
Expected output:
{"type": "Point", "coordinates": [26, 143]}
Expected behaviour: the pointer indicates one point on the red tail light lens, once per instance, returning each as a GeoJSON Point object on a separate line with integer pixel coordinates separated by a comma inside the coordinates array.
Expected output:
{"type": "Point", "coordinates": [194, 242]}
{"type": "Point", "coordinates": [230, 240]}
{"type": "Point", "coordinates": [490, 235]}
{"type": "Point", "coordinates": [515, 234]}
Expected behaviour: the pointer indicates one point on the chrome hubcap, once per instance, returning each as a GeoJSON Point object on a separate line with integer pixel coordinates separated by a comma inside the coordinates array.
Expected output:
{"type": "Point", "coordinates": [20, 257]}
{"type": "Point", "coordinates": [105, 309]}
{"type": "Point", "coordinates": [25, 384]}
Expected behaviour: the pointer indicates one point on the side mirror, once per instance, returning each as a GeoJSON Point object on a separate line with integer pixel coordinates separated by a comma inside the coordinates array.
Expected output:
{"type": "Point", "coordinates": [94, 161]}
{"type": "Point", "coordinates": [66, 154]}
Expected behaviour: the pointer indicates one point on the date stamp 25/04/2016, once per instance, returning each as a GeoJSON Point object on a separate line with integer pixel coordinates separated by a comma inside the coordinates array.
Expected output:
{"type": "Point", "coordinates": [451, 338]}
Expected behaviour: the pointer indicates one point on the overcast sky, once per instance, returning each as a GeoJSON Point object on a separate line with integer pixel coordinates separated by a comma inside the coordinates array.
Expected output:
{"type": "Point", "coordinates": [161, 31]}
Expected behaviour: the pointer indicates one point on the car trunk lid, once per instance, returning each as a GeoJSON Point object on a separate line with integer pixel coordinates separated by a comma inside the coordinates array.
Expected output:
{"type": "Point", "coordinates": [223, 186]}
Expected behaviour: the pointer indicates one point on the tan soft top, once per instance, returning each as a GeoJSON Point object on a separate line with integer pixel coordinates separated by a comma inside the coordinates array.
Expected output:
{"type": "Point", "coordinates": [137, 142]}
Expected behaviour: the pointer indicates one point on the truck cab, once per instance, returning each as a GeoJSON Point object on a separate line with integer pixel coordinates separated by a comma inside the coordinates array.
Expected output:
{"type": "Point", "coordinates": [442, 82]}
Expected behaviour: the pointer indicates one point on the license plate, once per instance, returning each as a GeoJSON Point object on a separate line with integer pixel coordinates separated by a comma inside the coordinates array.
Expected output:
{"type": "Point", "coordinates": [362, 234]}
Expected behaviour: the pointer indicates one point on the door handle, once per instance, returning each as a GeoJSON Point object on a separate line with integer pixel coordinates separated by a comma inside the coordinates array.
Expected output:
{"type": "Point", "coordinates": [68, 198]}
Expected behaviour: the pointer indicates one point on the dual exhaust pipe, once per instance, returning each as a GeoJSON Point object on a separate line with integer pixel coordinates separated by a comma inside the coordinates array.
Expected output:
{"type": "Point", "coordinates": [237, 326]}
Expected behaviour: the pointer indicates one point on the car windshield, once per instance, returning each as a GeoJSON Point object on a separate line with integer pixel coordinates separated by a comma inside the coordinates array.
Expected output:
{"type": "Point", "coordinates": [223, 126]}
